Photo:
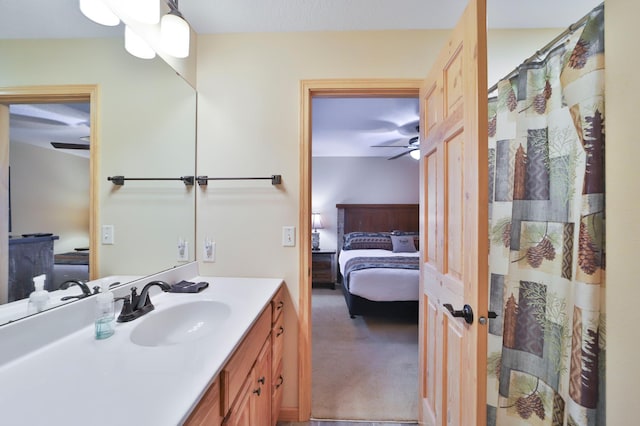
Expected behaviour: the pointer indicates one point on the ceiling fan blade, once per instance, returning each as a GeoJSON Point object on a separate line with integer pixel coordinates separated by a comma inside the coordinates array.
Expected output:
{"type": "Point", "coordinates": [67, 145]}
{"type": "Point", "coordinates": [400, 155]}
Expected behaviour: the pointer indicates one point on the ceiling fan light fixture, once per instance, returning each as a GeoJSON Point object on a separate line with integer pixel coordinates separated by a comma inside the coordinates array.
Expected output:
{"type": "Point", "coordinates": [136, 45]}
{"type": "Point", "coordinates": [175, 34]}
{"type": "Point", "coordinates": [415, 154]}
{"type": "Point", "coordinates": [99, 12]}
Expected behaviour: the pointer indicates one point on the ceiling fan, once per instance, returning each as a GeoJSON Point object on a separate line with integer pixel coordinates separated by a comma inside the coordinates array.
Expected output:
{"type": "Point", "coordinates": [71, 145]}
{"type": "Point", "coordinates": [412, 147]}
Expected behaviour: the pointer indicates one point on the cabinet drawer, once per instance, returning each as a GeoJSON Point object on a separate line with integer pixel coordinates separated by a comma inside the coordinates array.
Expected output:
{"type": "Point", "coordinates": [277, 304]}
{"type": "Point", "coordinates": [236, 370]}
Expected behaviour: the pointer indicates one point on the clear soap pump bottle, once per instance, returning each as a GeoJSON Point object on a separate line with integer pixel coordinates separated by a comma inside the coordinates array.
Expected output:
{"type": "Point", "coordinates": [39, 298]}
{"type": "Point", "coordinates": [105, 323]}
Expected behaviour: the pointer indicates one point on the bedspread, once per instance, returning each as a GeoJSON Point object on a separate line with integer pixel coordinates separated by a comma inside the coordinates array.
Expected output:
{"type": "Point", "coordinates": [394, 262]}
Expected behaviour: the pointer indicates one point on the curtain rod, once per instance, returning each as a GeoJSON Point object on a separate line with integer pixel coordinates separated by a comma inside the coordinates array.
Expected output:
{"type": "Point", "coordinates": [572, 28]}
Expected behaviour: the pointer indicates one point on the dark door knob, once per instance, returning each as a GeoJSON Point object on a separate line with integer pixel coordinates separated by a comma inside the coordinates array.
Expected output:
{"type": "Point", "coordinates": [466, 312]}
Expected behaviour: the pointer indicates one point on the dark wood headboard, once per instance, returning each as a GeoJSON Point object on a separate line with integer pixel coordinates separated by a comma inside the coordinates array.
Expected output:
{"type": "Point", "coordinates": [376, 218]}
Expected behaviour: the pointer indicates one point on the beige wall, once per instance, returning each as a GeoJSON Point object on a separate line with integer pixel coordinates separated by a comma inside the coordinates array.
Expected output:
{"type": "Point", "coordinates": [623, 228]}
{"type": "Point", "coordinates": [146, 129]}
{"type": "Point", "coordinates": [249, 124]}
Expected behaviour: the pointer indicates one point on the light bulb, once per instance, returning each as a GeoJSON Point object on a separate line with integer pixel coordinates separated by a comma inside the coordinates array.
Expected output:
{"type": "Point", "coordinates": [415, 154]}
{"type": "Point", "coordinates": [175, 34]}
{"type": "Point", "coordinates": [99, 12]}
{"type": "Point", "coordinates": [136, 45]}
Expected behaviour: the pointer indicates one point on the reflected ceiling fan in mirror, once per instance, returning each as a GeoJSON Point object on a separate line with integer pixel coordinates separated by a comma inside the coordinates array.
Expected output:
{"type": "Point", "coordinates": [60, 126]}
{"type": "Point", "coordinates": [71, 145]}
{"type": "Point", "coordinates": [412, 147]}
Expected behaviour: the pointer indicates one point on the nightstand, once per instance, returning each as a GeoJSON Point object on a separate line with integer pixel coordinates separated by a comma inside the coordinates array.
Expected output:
{"type": "Point", "coordinates": [323, 267]}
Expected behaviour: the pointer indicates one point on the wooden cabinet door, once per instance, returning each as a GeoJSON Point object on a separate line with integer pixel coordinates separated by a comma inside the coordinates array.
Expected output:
{"type": "Point", "coordinates": [240, 414]}
{"type": "Point", "coordinates": [208, 412]}
{"type": "Point", "coordinates": [453, 209]}
{"type": "Point", "coordinates": [261, 390]}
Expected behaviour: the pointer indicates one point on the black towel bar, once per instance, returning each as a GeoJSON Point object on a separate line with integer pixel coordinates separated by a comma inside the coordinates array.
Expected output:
{"type": "Point", "coordinates": [119, 180]}
{"type": "Point", "coordinates": [204, 180]}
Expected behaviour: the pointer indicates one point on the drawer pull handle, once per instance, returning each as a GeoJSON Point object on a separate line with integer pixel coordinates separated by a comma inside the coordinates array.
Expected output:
{"type": "Point", "coordinates": [280, 331]}
{"type": "Point", "coordinates": [280, 381]}
{"type": "Point", "coordinates": [257, 391]}
{"type": "Point", "coordinates": [280, 305]}
{"type": "Point", "coordinates": [261, 380]}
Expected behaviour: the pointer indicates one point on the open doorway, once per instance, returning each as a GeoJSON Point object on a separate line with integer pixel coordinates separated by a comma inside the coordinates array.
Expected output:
{"type": "Point", "coordinates": [38, 108]}
{"type": "Point", "coordinates": [311, 89]}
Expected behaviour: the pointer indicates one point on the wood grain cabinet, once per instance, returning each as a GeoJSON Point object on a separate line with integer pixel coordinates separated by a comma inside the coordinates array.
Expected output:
{"type": "Point", "coordinates": [323, 267]}
{"type": "Point", "coordinates": [248, 391]}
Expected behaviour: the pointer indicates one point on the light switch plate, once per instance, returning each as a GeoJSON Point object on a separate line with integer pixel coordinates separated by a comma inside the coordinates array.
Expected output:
{"type": "Point", "coordinates": [108, 234]}
{"type": "Point", "coordinates": [209, 252]}
{"type": "Point", "coordinates": [183, 250]}
{"type": "Point", "coordinates": [289, 236]}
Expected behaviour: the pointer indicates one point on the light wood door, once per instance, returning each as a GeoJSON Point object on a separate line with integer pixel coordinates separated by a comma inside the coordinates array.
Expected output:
{"type": "Point", "coordinates": [453, 209]}
{"type": "Point", "coordinates": [4, 203]}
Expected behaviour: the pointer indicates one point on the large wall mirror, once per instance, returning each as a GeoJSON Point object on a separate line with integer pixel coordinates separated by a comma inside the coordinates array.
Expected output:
{"type": "Point", "coordinates": [142, 125]}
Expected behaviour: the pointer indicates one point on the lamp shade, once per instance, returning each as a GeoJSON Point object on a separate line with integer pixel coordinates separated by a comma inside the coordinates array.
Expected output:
{"type": "Point", "coordinates": [145, 11]}
{"type": "Point", "coordinates": [175, 34]}
{"type": "Point", "coordinates": [415, 154]}
{"type": "Point", "coordinates": [99, 12]}
{"type": "Point", "coordinates": [136, 45]}
{"type": "Point", "coordinates": [316, 221]}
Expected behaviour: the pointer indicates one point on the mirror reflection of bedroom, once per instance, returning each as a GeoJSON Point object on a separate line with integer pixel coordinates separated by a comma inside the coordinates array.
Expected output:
{"type": "Point", "coordinates": [365, 273]}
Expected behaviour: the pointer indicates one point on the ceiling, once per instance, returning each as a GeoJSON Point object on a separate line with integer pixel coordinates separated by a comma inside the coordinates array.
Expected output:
{"type": "Point", "coordinates": [361, 122]}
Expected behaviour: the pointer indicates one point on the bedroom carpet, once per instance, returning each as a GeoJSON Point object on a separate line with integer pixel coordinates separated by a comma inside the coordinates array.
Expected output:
{"type": "Point", "coordinates": [364, 368]}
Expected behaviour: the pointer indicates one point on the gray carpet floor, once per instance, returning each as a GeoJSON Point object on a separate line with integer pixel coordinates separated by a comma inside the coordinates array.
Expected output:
{"type": "Point", "coordinates": [364, 368]}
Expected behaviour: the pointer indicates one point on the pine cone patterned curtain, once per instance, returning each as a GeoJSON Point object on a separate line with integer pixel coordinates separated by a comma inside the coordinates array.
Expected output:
{"type": "Point", "coordinates": [547, 255]}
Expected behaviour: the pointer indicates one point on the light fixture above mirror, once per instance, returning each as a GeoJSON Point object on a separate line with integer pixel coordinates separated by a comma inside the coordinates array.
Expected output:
{"type": "Point", "coordinates": [99, 12]}
{"type": "Point", "coordinates": [145, 33]}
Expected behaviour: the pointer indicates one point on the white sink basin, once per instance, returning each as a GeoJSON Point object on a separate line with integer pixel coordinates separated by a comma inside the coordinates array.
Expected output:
{"type": "Point", "coordinates": [180, 323]}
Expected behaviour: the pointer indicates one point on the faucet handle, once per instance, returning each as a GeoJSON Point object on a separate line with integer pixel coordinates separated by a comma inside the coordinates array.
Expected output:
{"type": "Point", "coordinates": [126, 314]}
{"type": "Point", "coordinates": [134, 296]}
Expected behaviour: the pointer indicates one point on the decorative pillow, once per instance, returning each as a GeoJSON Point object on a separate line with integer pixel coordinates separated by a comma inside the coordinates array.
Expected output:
{"type": "Point", "coordinates": [414, 234]}
{"type": "Point", "coordinates": [403, 244]}
{"type": "Point", "coordinates": [367, 240]}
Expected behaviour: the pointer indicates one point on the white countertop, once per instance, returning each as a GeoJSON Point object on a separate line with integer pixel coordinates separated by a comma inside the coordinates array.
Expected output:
{"type": "Point", "coordinates": [77, 380]}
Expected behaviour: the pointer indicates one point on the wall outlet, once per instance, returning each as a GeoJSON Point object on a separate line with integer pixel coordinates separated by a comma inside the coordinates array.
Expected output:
{"type": "Point", "coordinates": [289, 236]}
{"type": "Point", "coordinates": [183, 250]}
{"type": "Point", "coordinates": [108, 234]}
{"type": "Point", "coordinates": [209, 253]}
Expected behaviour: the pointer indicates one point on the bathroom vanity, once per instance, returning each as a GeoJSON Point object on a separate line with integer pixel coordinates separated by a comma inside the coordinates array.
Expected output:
{"type": "Point", "coordinates": [213, 357]}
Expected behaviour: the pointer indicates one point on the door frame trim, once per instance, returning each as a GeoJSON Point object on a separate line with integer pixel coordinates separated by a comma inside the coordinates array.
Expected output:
{"type": "Point", "coordinates": [325, 88]}
{"type": "Point", "coordinates": [71, 93]}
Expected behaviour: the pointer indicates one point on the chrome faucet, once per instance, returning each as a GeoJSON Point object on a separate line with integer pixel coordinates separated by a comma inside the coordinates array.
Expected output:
{"type": "Point", "coordinates": [137, 305]}
{"type": "Point", "coordinates": [83, 286]}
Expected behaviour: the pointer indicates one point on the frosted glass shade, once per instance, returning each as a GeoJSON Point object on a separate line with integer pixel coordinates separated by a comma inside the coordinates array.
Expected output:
{"type": "Point", "coordinates": [145, 11]}
{"type": "Point", "coordinates": [136, 45]}
{"type": "Point", "coordinates": [99, 12]}
{"type": "Point", "coordinates": [415, 154]}
{"type": "Point", "coordinates": [175, 34]}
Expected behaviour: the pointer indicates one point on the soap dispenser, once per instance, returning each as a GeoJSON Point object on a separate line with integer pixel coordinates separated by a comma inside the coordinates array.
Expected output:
{"type": "Point", "coordinates": [39, 298]}
{"type": "Point", "coordinates": [105, 323]}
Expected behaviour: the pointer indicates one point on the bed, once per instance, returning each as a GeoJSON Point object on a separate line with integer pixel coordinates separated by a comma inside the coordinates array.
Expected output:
{"type": "Point", "coordinates": [376, 280]}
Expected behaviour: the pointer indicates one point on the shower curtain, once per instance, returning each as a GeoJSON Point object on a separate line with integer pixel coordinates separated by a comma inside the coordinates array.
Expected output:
{"type": "Point", "coordinates": [546, 348]}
